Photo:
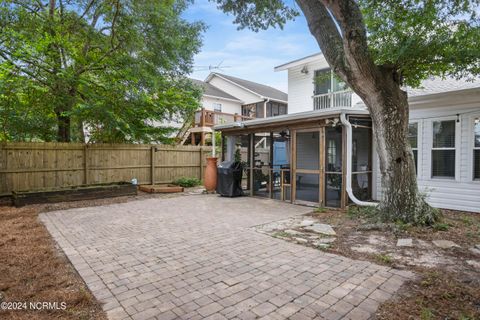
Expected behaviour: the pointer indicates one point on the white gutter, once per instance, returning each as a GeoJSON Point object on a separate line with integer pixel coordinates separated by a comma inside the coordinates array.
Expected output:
{"type": "Point", "coordinates": [348, 126]}
{"type": "Point", "coordinates": [291, 117]}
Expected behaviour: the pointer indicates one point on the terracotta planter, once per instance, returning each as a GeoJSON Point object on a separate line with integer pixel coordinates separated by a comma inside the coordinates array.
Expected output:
{"type": "Point", "coordinates": [210, 178]}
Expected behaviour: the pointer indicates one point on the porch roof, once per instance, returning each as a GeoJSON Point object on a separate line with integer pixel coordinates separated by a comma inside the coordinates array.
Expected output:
{"type": "Point", "coordinates": [292, 118]}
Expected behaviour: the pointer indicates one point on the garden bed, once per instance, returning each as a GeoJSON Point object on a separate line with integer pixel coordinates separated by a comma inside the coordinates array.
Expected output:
{"type": "Point", "coordinates": [76, 193]}
{"type": "Point", "coordinates": [160, 188]}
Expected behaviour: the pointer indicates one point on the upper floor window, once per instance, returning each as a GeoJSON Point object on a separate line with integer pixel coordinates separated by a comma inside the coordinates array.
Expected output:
{"type": "Point", "coordinates": [326, 81]}
{"type": "Point", "coordinates": [443, 149]}
{"type": "Point", "coordinates": [476, 149]}
{"type": "Point", "coordinates": [217, 107]}
{"type": "Point", "coordinates": [413, 139]}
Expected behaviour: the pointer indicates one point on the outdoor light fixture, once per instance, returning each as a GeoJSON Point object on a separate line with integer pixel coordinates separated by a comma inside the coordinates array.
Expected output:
{"type": "Point", "coordinates": [304, 70]}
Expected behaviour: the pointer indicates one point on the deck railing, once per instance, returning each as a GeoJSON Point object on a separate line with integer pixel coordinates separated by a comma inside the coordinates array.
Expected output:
{"type": "Point", "coordinates": [329, 100]}
{"type": "Point", "coordinates": [208, 118]}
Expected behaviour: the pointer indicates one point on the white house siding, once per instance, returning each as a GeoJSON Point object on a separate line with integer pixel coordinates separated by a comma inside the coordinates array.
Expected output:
{"type": "Point", "coordinates": [461, 193]}
{"type": "Point", "coordinates": [227, 105]}
{"type": "Point", "coordinates": [301, 86]}
{"type": "Point", "coordinates": [234, 90]}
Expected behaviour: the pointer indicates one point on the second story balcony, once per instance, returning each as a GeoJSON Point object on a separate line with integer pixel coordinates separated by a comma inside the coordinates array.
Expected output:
{"type": "Point", "coordinates": [209, 118]}
{"type": "Point", "coordinates": [338, 99]}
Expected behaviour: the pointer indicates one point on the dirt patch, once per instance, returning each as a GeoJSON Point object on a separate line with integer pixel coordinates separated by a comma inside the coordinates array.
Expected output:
{"type": "Point", "coordinates": [448, 282]}
{"type": "Point", "coordinates": [33, 270]}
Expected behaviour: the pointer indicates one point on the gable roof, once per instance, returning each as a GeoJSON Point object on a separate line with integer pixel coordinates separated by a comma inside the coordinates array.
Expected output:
{"type": "Point", "coordinates": [300, 61]}
{"type": "Point", "coordinates": [261, 90]}
{"type": "Point", "coordinates": [211, 90]}
{"type": "Point", "coordinates": [439, 85]}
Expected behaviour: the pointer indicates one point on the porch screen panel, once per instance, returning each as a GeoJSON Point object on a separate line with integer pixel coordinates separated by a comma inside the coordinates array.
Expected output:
{"type": "Point", "coordinates": [280, 164]}
{"type": "Point", "coordinates": [261, 166]}
{"type": "Point", "coordinates": [333, 166]}
{"type": "Point", "coordinates": [307, 186]}
{"type": "Point", "coordinates": [361, 163]}
{"type": "Point", "coordinates": [307, 150]}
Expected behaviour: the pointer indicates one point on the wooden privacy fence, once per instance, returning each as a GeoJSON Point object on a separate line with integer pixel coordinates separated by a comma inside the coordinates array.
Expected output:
{"type": "Point", "coordinates": [36, 166]}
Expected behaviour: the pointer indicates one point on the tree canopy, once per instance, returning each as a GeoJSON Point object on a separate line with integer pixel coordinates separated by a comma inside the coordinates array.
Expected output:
{"type": "Point", "coordinates": [115, 67]}
{"type": "Point", "coordinates": [418, 39]}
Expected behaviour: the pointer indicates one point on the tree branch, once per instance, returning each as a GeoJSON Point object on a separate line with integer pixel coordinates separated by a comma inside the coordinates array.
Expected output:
{"type": "Point", "coordinates": [362, 69]}
{"type": "Point", "coordinates": [87, 8]}
{"type": "Point", "coordinates": [27, 72]}
{"type": "Point", "coordinates": [325, 31]}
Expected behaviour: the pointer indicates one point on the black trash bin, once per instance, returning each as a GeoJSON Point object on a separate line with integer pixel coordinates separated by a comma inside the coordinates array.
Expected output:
{"type": "Point", "coordinates": [229, 179]}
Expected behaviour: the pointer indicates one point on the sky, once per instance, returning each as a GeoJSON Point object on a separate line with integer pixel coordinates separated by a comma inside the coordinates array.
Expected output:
{"type": "Point", "coordinates": [244, 53]}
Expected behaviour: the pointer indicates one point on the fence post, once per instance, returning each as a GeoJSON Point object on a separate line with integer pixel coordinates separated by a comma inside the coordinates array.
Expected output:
{"type": "Point", "coordinates": [201, 163]}
{"type": "Point", "coordinates": [152, 164]}
{"type": "Point", "coordinates": [85, 164]}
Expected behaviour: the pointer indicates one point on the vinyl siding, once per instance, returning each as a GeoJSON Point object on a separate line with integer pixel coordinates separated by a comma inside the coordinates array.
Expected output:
{"type": "Point", "coordinates": [301, 86]}
{"type": "Point", "coordinates": [227, 106]}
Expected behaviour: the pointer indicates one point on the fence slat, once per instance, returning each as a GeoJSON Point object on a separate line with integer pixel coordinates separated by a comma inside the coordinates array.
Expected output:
{"type": "Point", "coordinates": [36, 166]}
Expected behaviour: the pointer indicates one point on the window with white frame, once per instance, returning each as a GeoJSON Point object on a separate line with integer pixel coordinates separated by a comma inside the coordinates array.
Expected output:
{"type": "Point", "coordinates": [476, 149]}
{"type": "Point", "coordinates": [217, 107]}
{"type": "Point", "coordinates": [413, 139]}
{"type": "Point", "coordinates": [443, 149]}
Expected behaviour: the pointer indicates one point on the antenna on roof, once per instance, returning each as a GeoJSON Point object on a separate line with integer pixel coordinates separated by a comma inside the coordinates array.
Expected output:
{"type": "Point", "coordinates": [211, 67]}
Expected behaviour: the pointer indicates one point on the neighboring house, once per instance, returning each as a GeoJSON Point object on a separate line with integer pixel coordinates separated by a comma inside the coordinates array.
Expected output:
{"type": "Point", "coordinates": [227, 99]}
{"type": "Point", "coordinates": [444, 133]}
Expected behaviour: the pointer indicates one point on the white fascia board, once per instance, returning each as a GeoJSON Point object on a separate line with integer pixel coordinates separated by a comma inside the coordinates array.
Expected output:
{"type": "Point", "coordinates": [211, 75]}
{"type": "Point", "coordinates": [299, 62]}
{"type": "Point", "coordinates": [222, 98]}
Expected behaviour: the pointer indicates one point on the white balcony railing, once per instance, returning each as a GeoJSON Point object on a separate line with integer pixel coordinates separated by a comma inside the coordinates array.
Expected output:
{"type": "Point", "coordinates": [337, 99]}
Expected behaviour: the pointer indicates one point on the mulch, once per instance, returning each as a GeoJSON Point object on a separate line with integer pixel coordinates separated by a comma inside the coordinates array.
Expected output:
{"type": "Point", "coordinates": [33, 270]}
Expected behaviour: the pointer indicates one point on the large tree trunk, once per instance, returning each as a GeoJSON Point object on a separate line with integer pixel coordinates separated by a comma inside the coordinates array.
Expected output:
{"type": "Point", "coordinates": [63, 127]}
{"type": "Point", "coordinates": [379, 87]}
{"type": "Point", "coordinates": [401, 198]}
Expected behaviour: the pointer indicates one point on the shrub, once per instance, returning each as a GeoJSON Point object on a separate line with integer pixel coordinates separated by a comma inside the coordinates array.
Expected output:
{"type": "Point", "coordinates": [187, 182]}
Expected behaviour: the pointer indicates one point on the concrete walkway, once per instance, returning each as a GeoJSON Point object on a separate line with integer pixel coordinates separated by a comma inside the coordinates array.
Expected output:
{"type": "Point", "coordinates": [197, 257]}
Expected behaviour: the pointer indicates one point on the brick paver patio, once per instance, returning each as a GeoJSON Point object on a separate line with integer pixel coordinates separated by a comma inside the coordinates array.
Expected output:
{"type": "Point", "coordinates": [198, 257]}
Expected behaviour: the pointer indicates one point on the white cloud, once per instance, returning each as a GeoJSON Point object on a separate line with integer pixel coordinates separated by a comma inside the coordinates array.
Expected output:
{"type": "Point", "coordinates": [247, 54]}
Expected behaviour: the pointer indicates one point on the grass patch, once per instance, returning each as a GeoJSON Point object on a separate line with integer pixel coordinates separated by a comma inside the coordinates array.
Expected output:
{"type": "Point", "coordinates": [426, 314]}
{"type": "Point", "coordinates": [361, 212]}
{"type": "Point", "coordinates": [281, 234]}
{"type": "Point", "coordinates": [468, 221]}
{"type": "Point", "coordinates": [402, 226]}
{"type": "Point", "coordinates": [441, 226]}
{"type": "Point", "coordinates": [320, 210]}
{"type": "Point", "coordinates": [384, 258]}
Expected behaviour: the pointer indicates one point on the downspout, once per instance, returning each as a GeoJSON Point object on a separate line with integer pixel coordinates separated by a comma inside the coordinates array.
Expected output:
{"type": "Point", "coordinates": [265, 107]}
{"type": "Point", "coordinates": [348, 126]}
